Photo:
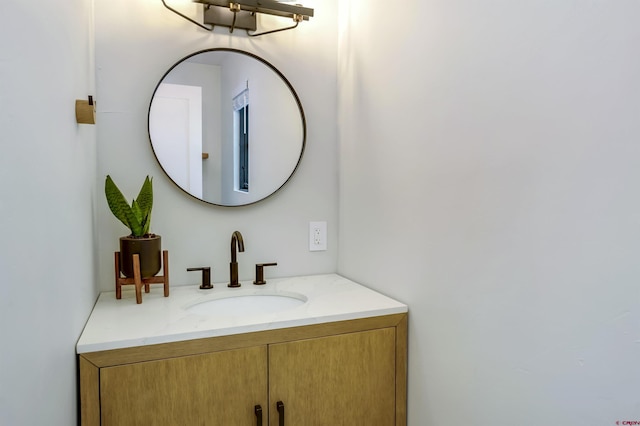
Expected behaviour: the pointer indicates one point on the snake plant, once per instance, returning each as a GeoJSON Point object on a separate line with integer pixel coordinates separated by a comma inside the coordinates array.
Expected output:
{"type": "Point", "coordinates": [137, 216]}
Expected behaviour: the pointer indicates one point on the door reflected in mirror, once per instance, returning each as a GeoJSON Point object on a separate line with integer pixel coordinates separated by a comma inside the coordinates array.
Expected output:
{"type": "Point", "coordinates": [226, 127]}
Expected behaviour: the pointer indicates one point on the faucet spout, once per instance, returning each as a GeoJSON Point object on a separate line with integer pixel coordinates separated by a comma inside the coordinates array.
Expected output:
{"type": "Point", "coordinates": [237, 244]}
{"type": "Point", "coordinates": [236, 239]}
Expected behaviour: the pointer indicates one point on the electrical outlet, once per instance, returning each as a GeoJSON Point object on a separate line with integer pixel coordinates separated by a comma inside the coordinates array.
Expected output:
{"type": "Point", "coordinates": [317, 236]}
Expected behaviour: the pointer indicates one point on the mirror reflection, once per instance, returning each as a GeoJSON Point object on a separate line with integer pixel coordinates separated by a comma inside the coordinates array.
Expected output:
{"type": "Point", "coordinates": [226, 127]}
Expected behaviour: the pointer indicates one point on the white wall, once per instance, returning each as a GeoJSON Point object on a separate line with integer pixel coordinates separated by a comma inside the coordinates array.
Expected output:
{"type": "Point", "coordinates": [136, 43]}
{"type": "Point", "coordinates": [47, 186]}
{"type": "Point", "coordinates": [489, 169]}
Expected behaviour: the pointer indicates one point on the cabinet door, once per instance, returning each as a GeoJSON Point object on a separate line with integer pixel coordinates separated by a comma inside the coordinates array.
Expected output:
{"type": "Point", "coordinates": [346, 380]}
{"type": "Point", "coordinates": [219, 388]}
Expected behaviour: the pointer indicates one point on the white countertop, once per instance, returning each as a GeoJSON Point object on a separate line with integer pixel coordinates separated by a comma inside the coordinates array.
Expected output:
{"type": "Point", "coordinates": [116, 324]}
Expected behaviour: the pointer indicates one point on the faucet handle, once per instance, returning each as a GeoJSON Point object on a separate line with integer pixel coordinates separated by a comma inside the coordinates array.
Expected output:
{"type": "Point", "coordinates": [260, 272]}
{"type": "Point", "coordinates": [206, 277]}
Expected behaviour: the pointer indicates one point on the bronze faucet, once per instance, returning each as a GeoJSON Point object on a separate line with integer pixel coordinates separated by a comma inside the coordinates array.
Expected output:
{"type": "Point", "coordinates": [236, 239]}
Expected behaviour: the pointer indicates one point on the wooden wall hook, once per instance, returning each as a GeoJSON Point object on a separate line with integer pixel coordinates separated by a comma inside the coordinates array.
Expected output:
{"type": "Point", "coordinates": [86, 111]}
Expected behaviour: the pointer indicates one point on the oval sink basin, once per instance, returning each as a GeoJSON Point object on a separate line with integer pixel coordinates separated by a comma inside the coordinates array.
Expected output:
{"type": "Point", "coordinates": [250, 304]}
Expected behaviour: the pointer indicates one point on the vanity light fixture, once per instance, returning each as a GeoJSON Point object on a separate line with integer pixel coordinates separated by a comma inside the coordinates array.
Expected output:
{"type": "Point", "coordinates": [242, 14]}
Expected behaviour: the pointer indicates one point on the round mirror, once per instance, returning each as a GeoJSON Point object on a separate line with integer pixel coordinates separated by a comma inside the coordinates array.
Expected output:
{"type": "Point", "coordinates": [226, 127]}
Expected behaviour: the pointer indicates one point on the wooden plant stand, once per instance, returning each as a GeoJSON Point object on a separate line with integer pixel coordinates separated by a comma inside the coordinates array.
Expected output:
{"type": "Point", "coordinates": [138, 280]}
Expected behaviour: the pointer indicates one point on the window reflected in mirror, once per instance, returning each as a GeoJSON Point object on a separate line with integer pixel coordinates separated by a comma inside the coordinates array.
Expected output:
{"type": "Point", "coordinates": [241, 140]}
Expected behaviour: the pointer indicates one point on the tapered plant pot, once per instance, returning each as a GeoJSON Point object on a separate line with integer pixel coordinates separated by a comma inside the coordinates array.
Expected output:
{"type": "Point", "coordinates": [149, 248]}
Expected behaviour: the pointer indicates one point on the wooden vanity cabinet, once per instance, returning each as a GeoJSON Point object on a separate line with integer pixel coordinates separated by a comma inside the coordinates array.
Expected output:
{"type": "Point", "coordinates": [347, 379]}
{"type": "Point", "coordinates": [342, 373]}
{"type": "Point", "coordinates": [185, 390]}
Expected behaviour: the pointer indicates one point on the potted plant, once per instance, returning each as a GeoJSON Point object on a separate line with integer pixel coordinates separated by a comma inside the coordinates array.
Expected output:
{"type": "Point", "coordinates": [136, 217]}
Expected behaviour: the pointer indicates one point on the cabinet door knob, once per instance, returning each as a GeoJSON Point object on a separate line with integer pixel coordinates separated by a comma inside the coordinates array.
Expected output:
{"type": "Point", "coordinates": [280, 407]}
{"type": "Point", "coordinates": [258, 410]}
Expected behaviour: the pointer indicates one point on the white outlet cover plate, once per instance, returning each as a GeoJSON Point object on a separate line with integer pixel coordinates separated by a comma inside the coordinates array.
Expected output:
{"type": "Point", "coordinates": [317, 236]}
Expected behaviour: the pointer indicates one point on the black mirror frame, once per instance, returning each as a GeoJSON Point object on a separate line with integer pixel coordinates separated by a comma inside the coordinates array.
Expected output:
{"type": "Point", "coordinates": [286, 82]}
